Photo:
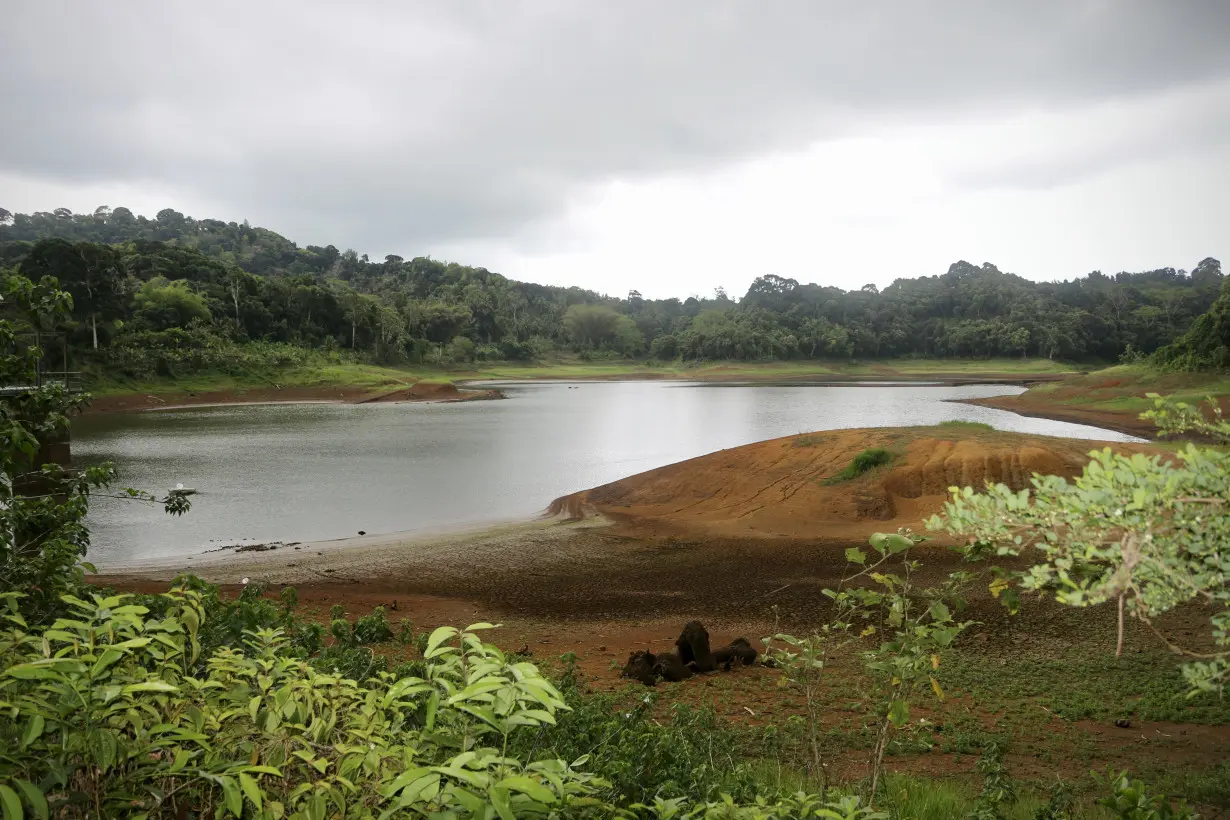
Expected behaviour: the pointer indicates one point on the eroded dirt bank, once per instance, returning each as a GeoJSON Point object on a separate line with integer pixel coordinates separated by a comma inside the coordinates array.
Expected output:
{"type": "Point", "coordinates": [782, 488]}
{"type": "Point", "coordinates": [416, 392]}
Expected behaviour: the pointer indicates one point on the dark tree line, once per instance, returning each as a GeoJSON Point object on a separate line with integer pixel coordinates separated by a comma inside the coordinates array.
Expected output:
{"type": "Point", "coordinates": [174, 280]}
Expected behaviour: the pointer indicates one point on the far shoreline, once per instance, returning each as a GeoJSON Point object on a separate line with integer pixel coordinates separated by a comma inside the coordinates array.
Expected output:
{"type": "Point", "coordinates": [467, 385]}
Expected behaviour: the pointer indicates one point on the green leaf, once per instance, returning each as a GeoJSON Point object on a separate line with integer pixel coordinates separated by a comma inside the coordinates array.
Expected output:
{"type": "Point", "coordinates": [899, 713]}
{"type": "Point", "coordinates": [939, 612]}
{"type": "Point", "coordinates": [856, 556]}
{"type": "Point", "coordinates": [439, 636]}
{"type": "Point", "coordinates": [898, 543]}
{"type": "Point", "coordinates": [499, 800]}
{"type": "Point", "coordinates": [103, 747]}
{"type": "Point", "coordinates": [34, 798]}
{"type": "Point", "coordinates": [530, 787]}
{"type": "Point", "coordinates": [481, 625]}
{"type": "Point", "coordinates": [10, 803]}
{"type": "Point", "coordinates": [232, 795]}
{"type": "Point", "coordinates": [34, 730]}
{"type": "Point", "coordinates": [251, 788]}
{"type": "Point", "coordinates": [108, 657]}
{"type": "Point", "coordinates": [150, 686]}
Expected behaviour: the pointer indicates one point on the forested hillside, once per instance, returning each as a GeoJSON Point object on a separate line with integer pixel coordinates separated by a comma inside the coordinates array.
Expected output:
{"type": "Point", "coordinates": [174, 294]}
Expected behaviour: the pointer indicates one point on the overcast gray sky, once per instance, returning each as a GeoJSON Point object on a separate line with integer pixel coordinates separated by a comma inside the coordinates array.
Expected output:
{"type": "Point", "coordinates": [669, 147]}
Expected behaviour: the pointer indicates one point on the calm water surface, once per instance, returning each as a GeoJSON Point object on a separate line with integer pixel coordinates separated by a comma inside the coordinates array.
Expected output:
{"type": "Point", "coordinates": [318, 471]}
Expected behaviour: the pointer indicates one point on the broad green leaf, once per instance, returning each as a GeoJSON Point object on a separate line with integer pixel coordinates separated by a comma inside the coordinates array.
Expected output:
{"type": "Point", "coordinates": [439, 636]}
{"type": "Point", "coordinates": [110, 656]}
{"type": "Point", "coordinates": [530, 787]}
{"type": "Point", "coordinates": [899, 713]}
{"type": "Point", "coordinates": [232, 795]}
{"type": "Point", "coordinates": [499, 801]}
{"type": "Point", "coordinates": [856, 556]}
{"type": "Point", "coordinates": [34, 730]}
{"type": "Point", "coordinates": [481, 625]}
{"type": "Point", "coordinates": [10, 803]}
{"type": "Point", "coordinates": [251, 788]}
{"type": "Point", "coordinates": [34, 798]}
{"type": "Point", "coordinates": [150, 686]}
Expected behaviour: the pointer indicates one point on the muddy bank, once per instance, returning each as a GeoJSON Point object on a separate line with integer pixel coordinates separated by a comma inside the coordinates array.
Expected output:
{"type": "Point", "coordinates": [1039, 408]}
{"type": "Point", "coordinates": [785, 488]}
{"type": "Point", "coordinates": [418, 392]}
{"type": "Point", "coordinates": [442, 392]}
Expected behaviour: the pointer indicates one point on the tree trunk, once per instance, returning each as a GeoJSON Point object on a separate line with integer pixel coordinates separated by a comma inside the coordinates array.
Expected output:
{"type": "Point", "coordinates": [352, 334]}
{"type": "Point", "coordinates": [94, 328]}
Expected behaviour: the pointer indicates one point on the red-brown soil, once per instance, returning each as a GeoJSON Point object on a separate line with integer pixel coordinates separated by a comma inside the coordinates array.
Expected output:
{"type": "Point", "coordinates": [434, 392]}
{"type": "Point", "coordinates": [778, 488]}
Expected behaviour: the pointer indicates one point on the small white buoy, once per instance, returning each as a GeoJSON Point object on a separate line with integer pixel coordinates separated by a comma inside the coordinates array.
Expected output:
{"type": "Point", "coordinates": [245, 581]}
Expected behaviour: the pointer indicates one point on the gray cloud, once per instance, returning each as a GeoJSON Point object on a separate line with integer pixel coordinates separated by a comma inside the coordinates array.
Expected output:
{"type": "Point", "coordinates": [399, 125]}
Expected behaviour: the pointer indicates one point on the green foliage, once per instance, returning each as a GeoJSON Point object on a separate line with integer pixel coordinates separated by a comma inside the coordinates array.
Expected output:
{"type": "Point", "coordinates": [104, 715]}
{"type": "Point", "coordinates": [915, 627]}
{"type": "Point", "coordinates": [692, 755]}
{"type": "Point", "coordinates": [1130, 799]}
{"type": "Point", "coordinates": [862, 463]}
{"type": "Point", "coordinates": [159, 305]}
{"type": "Point", "coordinates": [43, 504]}
{"type": "Point", "coordinates": [129, 273]}
{"type": "Point", "coordinates": [1206, 344]}
{"type": "Point", "coordinates": [957, 424]}
{"type": "Point", "coordinates": [998, 790]}
{"type": "Point", "coordinates": [1141, 531]}
{"type": "Point", "coordinates": [373, 628]}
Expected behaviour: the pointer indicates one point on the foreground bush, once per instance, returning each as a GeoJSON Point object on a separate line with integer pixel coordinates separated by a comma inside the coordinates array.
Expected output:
{"type": "Point", "coordinates": [109, 712]}
{"type": "Point", "coordinates": [102, 717]}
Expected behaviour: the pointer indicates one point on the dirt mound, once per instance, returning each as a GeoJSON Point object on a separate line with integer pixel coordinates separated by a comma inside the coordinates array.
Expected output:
{"type": "Point", "coordinates": [434, 392]}
{"type": "Point", "coordinates": [778, 488]}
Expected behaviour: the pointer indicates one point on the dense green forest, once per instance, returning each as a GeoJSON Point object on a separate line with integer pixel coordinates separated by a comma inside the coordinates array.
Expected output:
{"type": "Point", "coordinates": [173, 294]}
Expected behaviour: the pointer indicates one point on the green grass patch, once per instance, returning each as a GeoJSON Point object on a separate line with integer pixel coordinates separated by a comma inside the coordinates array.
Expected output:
{"type": "Point", "coordinates": [325, 375]}
{"type": "Point", "coordinates": [957, 424]}
{"type": "Point", "coordinates": [1077, 684]}
{"type": "Point", "coordinates": [862, 463]}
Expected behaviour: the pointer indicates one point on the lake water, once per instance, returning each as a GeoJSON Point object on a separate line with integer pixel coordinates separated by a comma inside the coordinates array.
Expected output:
{"type": "Point", "coordinates": [319, 471]}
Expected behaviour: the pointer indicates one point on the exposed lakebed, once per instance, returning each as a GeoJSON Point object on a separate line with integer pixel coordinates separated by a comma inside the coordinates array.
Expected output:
{"type": "Point", "coordinates": [299, 472]}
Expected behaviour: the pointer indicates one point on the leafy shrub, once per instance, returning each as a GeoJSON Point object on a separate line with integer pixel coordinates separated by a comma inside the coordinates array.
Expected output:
{"type": "Point", "coordinates": [182, 351]}
{"type": "Point", "coordinates": [1130, 799]}
{"type": "Point", "coordinates": [373, 628]}
{"type": "Point", "coordinates": [691, 755]}
{"type": "Point", "coordinates": [865, 461]}
{"type": "Point", "coordinates": [105, 716]}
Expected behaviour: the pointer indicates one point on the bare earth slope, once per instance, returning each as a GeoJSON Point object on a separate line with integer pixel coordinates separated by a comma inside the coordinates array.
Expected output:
{"type": "Point", "coordinates": [777, 488]}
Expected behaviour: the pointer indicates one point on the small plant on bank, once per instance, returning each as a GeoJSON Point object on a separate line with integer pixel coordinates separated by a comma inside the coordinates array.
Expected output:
{"type": "Point", "coordinates": [916, 626]}
{"type": "Point", "coordinates": [373, 628]}
{"type": "Point", "coordinates": [958, 424]}
{"type": "Point", "coordinates": [998, 790]}
{"type": "Point", "coordinates": [862, 463]}
{"type": "Point", "coordinates": [1130, 799]}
